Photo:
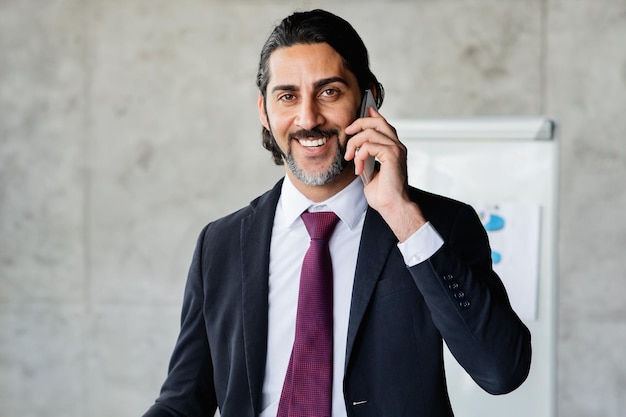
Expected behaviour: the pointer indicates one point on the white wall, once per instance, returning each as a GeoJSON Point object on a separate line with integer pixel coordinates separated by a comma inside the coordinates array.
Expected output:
{"type": "Point", "coordinates": [125, 126]}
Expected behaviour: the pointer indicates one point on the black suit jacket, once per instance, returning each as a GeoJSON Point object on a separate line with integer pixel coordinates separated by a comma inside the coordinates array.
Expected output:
{"type": "Point", "coordinates": [398, 318]}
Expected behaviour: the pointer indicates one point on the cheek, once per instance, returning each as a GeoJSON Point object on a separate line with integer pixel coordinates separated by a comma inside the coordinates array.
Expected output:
{"type": "Point", "coordinates": [344, 120]}
{"type": "Point", "coordinates": [346, 115]}
{"type": "Point", "coordinates": [279, 121]}
{"type": "Point", "coordinates": [278, 133]}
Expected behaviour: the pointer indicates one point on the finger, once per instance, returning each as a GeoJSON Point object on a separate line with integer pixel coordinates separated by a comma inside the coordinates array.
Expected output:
{"type": "Point", "coordinates": [368, 136]}
{"type": "Point", "coordinates": [362, 154]}
{"type": "Point", "coordinates": [359, 163]}
{"type": "Point", "coordinates": [374, 121]}
{"type": "Point", "coordinates": [357, 141]}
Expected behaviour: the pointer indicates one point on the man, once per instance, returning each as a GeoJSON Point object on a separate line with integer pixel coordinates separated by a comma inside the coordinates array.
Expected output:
{"type": "Point", "coordinates": [409, 268]}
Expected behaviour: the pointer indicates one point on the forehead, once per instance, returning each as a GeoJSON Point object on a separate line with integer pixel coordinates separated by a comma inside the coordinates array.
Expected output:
{"type": "Point", "coordinates": [303, 64]}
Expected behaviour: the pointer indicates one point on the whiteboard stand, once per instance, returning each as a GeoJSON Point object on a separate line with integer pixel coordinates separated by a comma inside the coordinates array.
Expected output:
{"type": "Point", "coordinates": [497, 161]}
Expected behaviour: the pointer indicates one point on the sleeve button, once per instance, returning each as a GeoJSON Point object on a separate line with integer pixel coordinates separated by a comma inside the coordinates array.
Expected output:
{"type": "Point", "coordinates": [465, 304]}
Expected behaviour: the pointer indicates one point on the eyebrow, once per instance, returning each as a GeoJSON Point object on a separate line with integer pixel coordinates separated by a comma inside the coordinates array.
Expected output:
{"type": "Point", "coordinates": [316, 85]}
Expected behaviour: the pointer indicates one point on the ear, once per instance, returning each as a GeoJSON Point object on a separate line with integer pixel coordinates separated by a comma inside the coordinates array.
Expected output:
{"type": "Point", "coordinates": [262, 112]}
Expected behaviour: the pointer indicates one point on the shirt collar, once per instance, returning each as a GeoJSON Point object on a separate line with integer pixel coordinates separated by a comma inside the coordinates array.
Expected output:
{"type": "Point", "coordinates": [348, 204]}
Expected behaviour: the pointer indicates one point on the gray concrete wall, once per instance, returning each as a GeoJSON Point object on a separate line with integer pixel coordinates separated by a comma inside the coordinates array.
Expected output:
{"type": "Point", "coordinates": [125, 126]}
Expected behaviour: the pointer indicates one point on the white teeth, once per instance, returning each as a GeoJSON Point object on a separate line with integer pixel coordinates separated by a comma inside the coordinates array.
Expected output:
{"type": "Point", "coordinates": [311, 143]}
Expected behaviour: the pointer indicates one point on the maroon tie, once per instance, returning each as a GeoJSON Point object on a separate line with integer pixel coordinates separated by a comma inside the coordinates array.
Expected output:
{"type": "Point", "coordinates": [308, 384]}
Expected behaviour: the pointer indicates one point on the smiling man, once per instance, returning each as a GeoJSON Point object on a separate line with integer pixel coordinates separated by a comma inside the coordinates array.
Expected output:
{"type": "Point", "coordinates": [310, 99]}
{"type": "Point", "coordinates": [344, 315]}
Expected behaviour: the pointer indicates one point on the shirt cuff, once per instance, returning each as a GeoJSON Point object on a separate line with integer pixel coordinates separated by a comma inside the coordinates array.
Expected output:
{"type": "Point", "coordinates": [421, 245]}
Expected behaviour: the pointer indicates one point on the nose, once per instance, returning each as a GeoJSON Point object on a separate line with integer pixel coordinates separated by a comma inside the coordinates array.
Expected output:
{"type": "Point", "coordinates": [309, 114]}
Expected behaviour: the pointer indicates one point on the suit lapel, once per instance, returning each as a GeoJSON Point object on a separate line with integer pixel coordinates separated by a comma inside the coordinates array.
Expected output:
{"type": "Point", "coordinates": [377, 241]}
{"type": "Point", "coordinates": [256, 231]}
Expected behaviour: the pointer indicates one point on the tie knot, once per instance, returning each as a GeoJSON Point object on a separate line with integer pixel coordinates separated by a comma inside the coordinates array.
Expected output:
{"type": "Point", "coordinates": [321, 224]}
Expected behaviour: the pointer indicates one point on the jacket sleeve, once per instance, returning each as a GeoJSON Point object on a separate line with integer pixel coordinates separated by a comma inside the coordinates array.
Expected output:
{"type": "Point", "coordinates": [470, 307]}
{"type": "Point", "coordinates": [188, 389]}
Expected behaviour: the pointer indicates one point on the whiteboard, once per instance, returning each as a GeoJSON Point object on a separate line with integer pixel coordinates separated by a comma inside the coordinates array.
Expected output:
{"type": "Point", "coordinates": [505, 161]}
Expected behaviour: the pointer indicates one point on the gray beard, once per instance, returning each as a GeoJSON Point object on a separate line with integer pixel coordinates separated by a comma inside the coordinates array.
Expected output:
{"type": "Point", "coordinates": [321, 178]}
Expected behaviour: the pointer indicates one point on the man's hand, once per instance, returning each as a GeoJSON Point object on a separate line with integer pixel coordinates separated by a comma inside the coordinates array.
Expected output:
{"type": "Point", "coordinates": [387, 192]}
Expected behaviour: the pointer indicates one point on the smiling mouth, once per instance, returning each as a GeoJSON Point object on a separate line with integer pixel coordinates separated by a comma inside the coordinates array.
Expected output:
{"type": "Point", "coordinates": [313, 138]}
{"type": "Point", "coordinates": [312, 143]}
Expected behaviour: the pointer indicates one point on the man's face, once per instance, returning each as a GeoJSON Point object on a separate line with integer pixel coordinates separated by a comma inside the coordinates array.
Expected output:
{"type": "Point", "coordinates": [311, 98]}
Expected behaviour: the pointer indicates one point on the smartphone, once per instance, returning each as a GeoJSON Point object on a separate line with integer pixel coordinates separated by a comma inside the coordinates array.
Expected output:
{"type": "Point", "coordinates": [368, 169]}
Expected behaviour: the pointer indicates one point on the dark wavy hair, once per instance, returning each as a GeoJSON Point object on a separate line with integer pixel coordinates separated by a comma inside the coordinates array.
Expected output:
{"type": "Point", "coordinates": [316, 26]}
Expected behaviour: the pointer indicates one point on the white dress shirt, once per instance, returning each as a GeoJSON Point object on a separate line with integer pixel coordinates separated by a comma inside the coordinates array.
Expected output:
{"type": "Point", "coordinates": [290, 241]}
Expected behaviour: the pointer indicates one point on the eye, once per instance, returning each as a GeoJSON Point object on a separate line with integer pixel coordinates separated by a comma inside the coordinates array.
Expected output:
{"type": "Point", "coordinates": [330, 92]}
{"type": "Point", "coordinates": [287, 97]}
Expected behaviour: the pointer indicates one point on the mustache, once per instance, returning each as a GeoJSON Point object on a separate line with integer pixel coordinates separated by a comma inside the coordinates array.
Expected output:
{"type": "Point", "coordinates": [313, 133]}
